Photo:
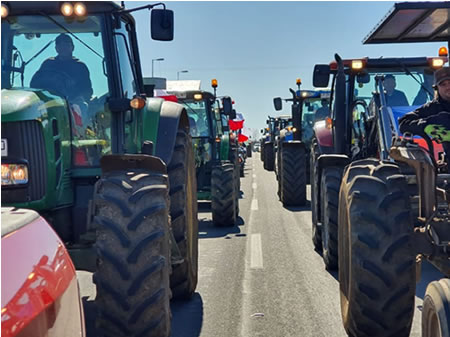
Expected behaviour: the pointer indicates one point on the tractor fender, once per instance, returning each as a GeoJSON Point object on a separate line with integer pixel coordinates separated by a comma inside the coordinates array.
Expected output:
{"type": "Point", "coordinates": [323, 134]}
{"type": "Point", "coordinates": [122, 162]}
{"type": "Point", "coordinates": [172, 118]}
{"type": "Point", "coordinates": [329, 160]}
{"type": "Point", "coordinates": [294, 143]}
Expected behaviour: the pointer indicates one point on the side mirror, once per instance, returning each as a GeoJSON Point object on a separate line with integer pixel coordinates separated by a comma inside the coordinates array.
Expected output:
{"type": "Point", "coordinates": [161, 27]}
{"type": "Point", "coordinates": [233, 114]}
{"type": "Point", "coordinates": [227, 106]}
{"type": "Point", "coordinates": [321, 75]}
{"type": "Point", "coordinates": [262, 130]}
{"type": "Point", "coordinates": [278, 104]}
{"type": "Point", "coordinates": [363, 78]}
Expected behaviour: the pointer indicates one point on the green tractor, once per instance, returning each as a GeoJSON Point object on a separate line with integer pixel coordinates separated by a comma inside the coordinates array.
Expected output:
{"type": "Point", "coordinates": [112, 169]}
{"type": "Point", "coordinates": [216, 151]}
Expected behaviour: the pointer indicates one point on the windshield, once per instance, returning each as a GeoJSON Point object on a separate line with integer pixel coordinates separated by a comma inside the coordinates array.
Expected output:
{"type": "Point", "coordinates": [402, 90]}
{"type": "Point", "coordinates": [198, 118]}
{"type": "Point", "coordinates": [65, 57]}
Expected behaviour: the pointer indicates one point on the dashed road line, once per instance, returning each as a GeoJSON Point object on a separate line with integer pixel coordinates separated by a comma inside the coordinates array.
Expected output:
{"type": "Point", "coordinates": [254, 206]}
{"type": "Point", "coordinates": [254, 186]}
{"type": "Point", "coordinates": [256, 258]}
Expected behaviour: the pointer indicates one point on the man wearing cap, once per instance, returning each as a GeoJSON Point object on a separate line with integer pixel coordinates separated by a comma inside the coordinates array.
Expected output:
{"type": "Point", "coordinates": [394, 97]}
{"type": "Point", "coordinates": [433, 118]}
{"type": "Point", "coordinates": [64, 72]}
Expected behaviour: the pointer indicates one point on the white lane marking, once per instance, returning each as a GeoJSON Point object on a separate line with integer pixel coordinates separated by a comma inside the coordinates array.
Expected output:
{"type": "Point", "coordinates": [254, 206]}
{"type": "Point", "coordinates": [256, 258]}
{"type": "Point", "coordinates": [254, 176]}
{"type": "Point", "coordinates": [254, 186]}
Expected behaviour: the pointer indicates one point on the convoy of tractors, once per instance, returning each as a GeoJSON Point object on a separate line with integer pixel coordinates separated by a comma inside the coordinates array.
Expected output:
{"type": "Point", "coordinates": [117, 174]}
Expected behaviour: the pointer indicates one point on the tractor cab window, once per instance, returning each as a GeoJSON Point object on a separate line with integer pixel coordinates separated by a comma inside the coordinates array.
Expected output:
{"type": "Point", "coordinates": [60, 56]}
{"type": "Point", "coordinates": [404, 92]}
{"type": "Point", "coordinates": [198, 118]}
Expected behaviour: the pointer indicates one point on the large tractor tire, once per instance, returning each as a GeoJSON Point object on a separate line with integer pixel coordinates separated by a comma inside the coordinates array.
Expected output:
{"type": "Point", "coordinates": [234, 159]}
{"type": "Point", "coordinates": [183, 213]}
{"type": "Point", "coordinates": [315, 198]}
{"type": "Point", "coordinates": [269, 157]}
{"type": "Point", "coordinates": [133, 254]}
{"type": "Point", "coordinates": [377, 276]}
{"type": "Point", "coordinates": [292, 177]}
{"type": "Point", "coordinates": [436, 309]}
{"type": "Point", "coordinates": [223, 195]}
{"type": "Point", "coordinates": [330, 183]}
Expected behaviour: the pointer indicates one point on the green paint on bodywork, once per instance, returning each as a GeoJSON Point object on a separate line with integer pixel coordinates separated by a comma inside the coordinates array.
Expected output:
{"type": "Point", "coordinates": [147, 122]}
{"type": "Point", "coordinates": [225, 147]}
{"type": "Point", "coordinates": [20, 105]}
{"type": "Point", "coordinates": [204, 195]}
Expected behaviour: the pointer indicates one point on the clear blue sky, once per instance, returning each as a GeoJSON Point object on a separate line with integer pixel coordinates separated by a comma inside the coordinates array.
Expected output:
{"type": "Point", "coordinates": [256, 50]}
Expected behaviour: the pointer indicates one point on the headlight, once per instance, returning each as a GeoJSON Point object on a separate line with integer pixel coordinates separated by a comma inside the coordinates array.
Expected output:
{"type": "Point", "coordinates": [14, 174]}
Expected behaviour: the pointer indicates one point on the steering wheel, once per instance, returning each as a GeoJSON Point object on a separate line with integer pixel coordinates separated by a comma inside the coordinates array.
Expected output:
{"type": "Point", "coordinates": [56, 81]}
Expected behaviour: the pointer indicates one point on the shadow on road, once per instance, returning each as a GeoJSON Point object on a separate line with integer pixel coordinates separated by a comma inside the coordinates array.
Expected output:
{"type": "Point", "coordinates": [307, 207]}
{"type": "Point", "coordinates": [207, 230]}
{"type": "Point", "coordinates": [187, 317]}
{"type": "Point", "coordinates": [90, 313]}
{"type": "Point", "coordinates": [429, 274]}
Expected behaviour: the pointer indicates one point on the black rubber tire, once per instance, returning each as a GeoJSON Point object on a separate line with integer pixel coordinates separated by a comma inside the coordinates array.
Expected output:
{"type": "Point", "coordinates": [269, 157]}
{"type": "Point", "coordinates": [183, 214]}
{"type": "Point", "coordinates": [315, 189]}
{"type": "Point", "coordinates": [377, 275]}
{"type": "Point", "coordinates": [261, 151]}
{"type": "Point", "coordinates": [292, 177]}
{"type": "Point", "coordinates": [436, 309]}
{"type": "Point", "coordinates": [131, 218]}
{"type": "Point", "coordinates": [234, 159]}
{"type": "Point", "coordinates": [330, 183]}
{"type": "Point", "coordinates": [223, 195]}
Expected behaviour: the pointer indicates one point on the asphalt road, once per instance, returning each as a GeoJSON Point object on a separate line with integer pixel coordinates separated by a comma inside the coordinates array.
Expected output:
{"type": "Point", "coordinates": [260, 278]}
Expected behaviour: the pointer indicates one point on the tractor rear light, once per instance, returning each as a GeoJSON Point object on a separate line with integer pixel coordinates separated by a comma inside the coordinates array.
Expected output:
{"type": "Point", "coordinates": [5, 11]}
{"type": "Point", "coordinates": [294, 129]}
{"type": "Point", "coordinates": [329, 123]}
{"type": "Point", "coordinates": [137, 103]}
{"type": "Point", "coordinates": [357, 64]}
{"type": "Point", "coordinates": [67, 9]}
{"type": "Point", "coordinates": [436, 62]}
{"type": "Point", "coordinates": [217, 139]}
{"type": "Point", "coordinates": [198, 97]}
{"type": "Point", "coordinates": [80, 9]}
{"type": "Point", "coordinates": [14, 174]}
{"type": "Point", "coordinates": [442, 51]}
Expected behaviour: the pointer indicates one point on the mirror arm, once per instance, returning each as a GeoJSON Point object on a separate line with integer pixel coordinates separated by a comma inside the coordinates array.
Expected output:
{"type": "Point", "coordinates": [149, 7]}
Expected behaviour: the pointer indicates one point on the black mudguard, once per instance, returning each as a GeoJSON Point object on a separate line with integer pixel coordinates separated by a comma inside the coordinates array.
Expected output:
{"type": "Point", "coordinates": [293, 143]}
{"type": "Point", "coordinates": [122, 162]}
{"type": "Point", "coordinates": [172, 118]}
{"type": "Point", "coordinates": [329, 160]}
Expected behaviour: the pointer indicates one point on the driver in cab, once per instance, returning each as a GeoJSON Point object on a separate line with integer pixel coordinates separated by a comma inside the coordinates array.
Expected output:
{"type": "Point", "coordinates": [77, 84]}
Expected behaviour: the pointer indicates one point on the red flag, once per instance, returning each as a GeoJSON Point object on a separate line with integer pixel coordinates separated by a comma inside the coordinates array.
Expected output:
{"type": "Point", "coordinates": [236, 125]}
{"type": "Point", "coordinates": [242, 138]}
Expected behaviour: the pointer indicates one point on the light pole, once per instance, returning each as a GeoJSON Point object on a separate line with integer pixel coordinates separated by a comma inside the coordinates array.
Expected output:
{"type": "Point", "coordinates": [153, 61]}
{"type": "Point", "coordinates": [181, 71]}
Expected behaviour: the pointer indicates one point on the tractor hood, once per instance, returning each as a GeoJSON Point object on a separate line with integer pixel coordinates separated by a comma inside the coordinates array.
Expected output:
{"type": "Point", "coordinates": [27, 104]}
